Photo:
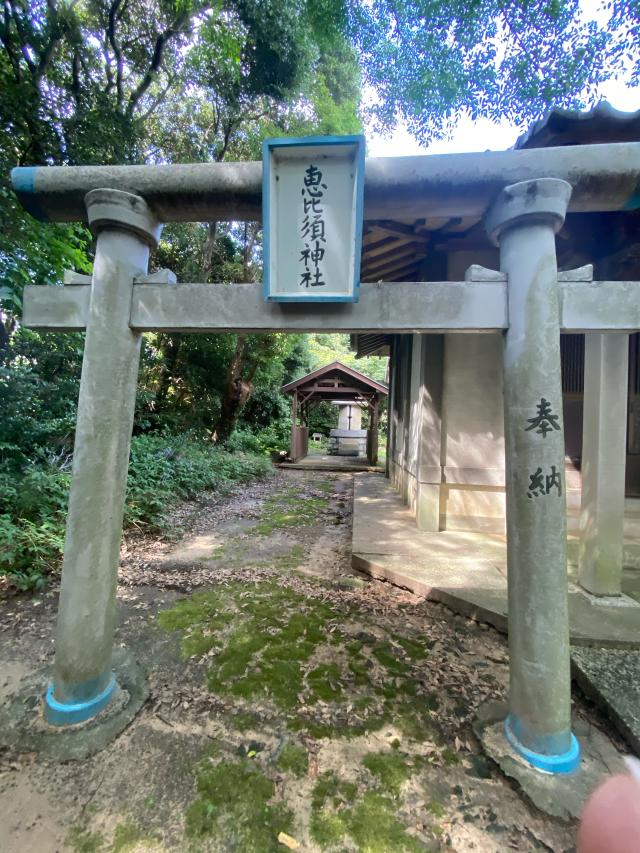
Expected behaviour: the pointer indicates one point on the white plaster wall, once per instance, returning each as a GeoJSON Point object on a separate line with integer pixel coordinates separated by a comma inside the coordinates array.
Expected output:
{"type": "Point", "coordinates": [473, 433]}
{"type": "Point", "coordinates": [473, 421]}
{"type": "Point", "coordinates": [473, 409]}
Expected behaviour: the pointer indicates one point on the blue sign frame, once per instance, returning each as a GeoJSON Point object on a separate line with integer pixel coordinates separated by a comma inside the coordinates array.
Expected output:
{"type": "Point", "coordinates": [356, 142]}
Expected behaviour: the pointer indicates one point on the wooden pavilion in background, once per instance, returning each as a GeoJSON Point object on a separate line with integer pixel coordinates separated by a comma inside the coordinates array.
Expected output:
{"type": "Point", "coordinates": [336, 383]}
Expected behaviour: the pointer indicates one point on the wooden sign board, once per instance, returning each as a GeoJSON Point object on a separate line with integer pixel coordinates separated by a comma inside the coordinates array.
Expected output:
{"type": "Point", "coordinates": [312, 191]}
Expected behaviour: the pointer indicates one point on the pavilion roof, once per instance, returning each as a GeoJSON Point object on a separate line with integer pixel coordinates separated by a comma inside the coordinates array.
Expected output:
{"type": "Point", "coordinates": [335, 380]}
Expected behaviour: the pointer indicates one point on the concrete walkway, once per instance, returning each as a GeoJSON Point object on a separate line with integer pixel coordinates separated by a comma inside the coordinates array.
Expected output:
{"type": "Point", "coordinates": [467, 570]}
{"type": "Point", "coordinates": [324, 462]}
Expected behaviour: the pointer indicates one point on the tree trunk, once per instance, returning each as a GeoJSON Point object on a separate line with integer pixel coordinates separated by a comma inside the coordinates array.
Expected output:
{"type": "Point", "coordinates": [236, 392]}
{"type": "Point", "coordinates": [207, 255]}
{"type": "Point", "coordinates": [170, 352]}
{"type": "Point", "coordinates": [239, 382]}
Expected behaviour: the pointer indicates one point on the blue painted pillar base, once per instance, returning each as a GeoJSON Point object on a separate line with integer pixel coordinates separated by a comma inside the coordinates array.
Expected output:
{"type": "Point", "coordinates": [58, 713]}
{"type": "Point", "coordinates": [565, 762]}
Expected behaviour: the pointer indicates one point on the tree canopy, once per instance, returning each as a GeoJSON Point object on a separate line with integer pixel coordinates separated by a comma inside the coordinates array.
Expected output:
{"type": "Point", "coordinates": [425, 60]}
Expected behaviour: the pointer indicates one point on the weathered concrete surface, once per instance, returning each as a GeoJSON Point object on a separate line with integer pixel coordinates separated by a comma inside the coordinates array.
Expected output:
{"type": "Point", "coordinates": [523, 221]}
{"type": "Point", "coordinates": [559, 795]}
{"type": "Point", "coordinates": [467, 571]}
{"type": "Point", "coordinates": [322, 462]}
{"type": "Point", "coordinates": [86, 614]}
{"type": "Point", "coordinates": [604, 177]}
{"type": "Point", "coordinates": [606, 376]}
{"type": "Point", "coordinates": [612, 679]}
{"type": "Point", "coordinates": [434, 306]}
{"type": "Point", "coordinates": [23, 729]}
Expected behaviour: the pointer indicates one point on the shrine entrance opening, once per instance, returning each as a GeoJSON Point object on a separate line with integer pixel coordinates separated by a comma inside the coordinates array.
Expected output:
{"type": "Point", "coordinates": [518, 198]}
{"type": "Point", "coordinates": [352, 391]}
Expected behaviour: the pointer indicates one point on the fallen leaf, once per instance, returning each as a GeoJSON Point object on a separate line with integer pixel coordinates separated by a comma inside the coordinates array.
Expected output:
{"type": "Point", "coordinates": [288, 841]}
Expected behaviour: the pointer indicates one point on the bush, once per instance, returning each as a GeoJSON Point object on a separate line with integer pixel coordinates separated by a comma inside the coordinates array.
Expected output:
{"type": "Point", "coordinates": [30, 551]}
{"type": "Point", "coordinates": [243, 441]}
{"type": "Point", "coordinates": [32, 523]}
{"type": "Point", "coordinates": [274, 437]}
{"type": "Point", "coordinates": [163, 469]}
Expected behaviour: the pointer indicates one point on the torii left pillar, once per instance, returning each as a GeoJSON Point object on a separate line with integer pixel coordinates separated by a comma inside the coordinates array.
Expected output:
{"type": "Point", "coordinates": [83, 682]}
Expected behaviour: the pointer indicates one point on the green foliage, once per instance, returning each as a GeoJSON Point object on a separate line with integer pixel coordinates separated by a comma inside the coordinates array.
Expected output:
{"type": "Point", "coordinates": [267, 440]}
{"type": "Point", "coordinates": [163, 469]}
{"type": "Point", "coordinates": [84, 841]}
{"type": "Point", "coordinates": [160, 82]}
{"type": "Point", "coordinates": [38, 392]}
{"type": "Point", "coordinates": [264, 638]}
{"type": "Point", "coordinates": [32, 515]}
{"type": "Point", "coordinates": [428, 60]}
{"type": "Point", "coordinates": [323, 418]}
{"type": "Point", "coordinates": [337, 812]}
{"type": "Point", "coordinates": [29, 551]}
{"type": "Point", "coordinates": [325, 348]}
{"type": "Point", "coordinates": [390, 769]}
{"type": "Point", "coordinates": [289, 510]}
{"type": "Point", "coordinates": [268, 639]}
{"type": "Point", "coordinates": [126, 837]}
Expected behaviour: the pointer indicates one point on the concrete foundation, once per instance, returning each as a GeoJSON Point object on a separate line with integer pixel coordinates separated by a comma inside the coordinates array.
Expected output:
{"type": "Point", "coordinates": [467, 571]}
{"type": "Point", "coordinates": [22, 728]}
{"type": "Point", "coordinates": [561, 796]}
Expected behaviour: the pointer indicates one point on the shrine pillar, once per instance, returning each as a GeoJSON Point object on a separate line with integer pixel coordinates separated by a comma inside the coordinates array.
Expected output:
{"type": "Point", "coordinates": [372, 432]}
{"type": "Point", "coordinates": [429, 450]}
{"type": "Point", "coordinates": [83, 682]}
{"type": "Point", "coordinates": [523, 221]}
{"type": "Point", "coordinates": [399, 413]}
{"type": "Point", "coordinates": [604, 439]}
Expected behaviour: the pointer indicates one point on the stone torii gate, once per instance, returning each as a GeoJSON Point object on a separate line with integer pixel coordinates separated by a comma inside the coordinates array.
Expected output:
{"type": "Point", "coordinates": [523, 195]}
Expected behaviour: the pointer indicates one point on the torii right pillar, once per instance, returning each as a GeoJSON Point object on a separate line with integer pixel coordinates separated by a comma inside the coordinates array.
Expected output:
{"type": "Point", "coordinates": [523, 221]}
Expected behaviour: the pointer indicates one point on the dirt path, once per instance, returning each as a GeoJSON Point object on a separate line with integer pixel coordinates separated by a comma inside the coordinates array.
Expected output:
{"type": "Point", "coordinates": [287, 696]}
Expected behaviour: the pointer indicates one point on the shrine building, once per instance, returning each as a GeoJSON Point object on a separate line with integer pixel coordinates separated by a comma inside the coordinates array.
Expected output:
{"type": "Point", "coordinates": [446, 451]}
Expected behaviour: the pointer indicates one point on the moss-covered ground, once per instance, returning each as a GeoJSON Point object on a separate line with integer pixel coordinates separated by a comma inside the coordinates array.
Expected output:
{"type": "Point", "coordinates": [289, 509]}
{"type": "Point", "coordinates": [297, 654]}
{"type": "Point", "coordinates": [291, 704]}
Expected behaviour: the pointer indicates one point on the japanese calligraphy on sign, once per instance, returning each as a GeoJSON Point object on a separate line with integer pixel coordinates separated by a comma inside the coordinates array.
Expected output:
{"type": "Point", "coordinates": [313, 231]}
{"type": "Point", "coordinates": [543, 482]}
{"type": "Point", "coordinates": [312, 214]}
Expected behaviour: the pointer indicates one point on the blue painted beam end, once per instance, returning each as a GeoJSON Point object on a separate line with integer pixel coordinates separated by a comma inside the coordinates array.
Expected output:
{"type": "Point", "coordinates": [23, 179]}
